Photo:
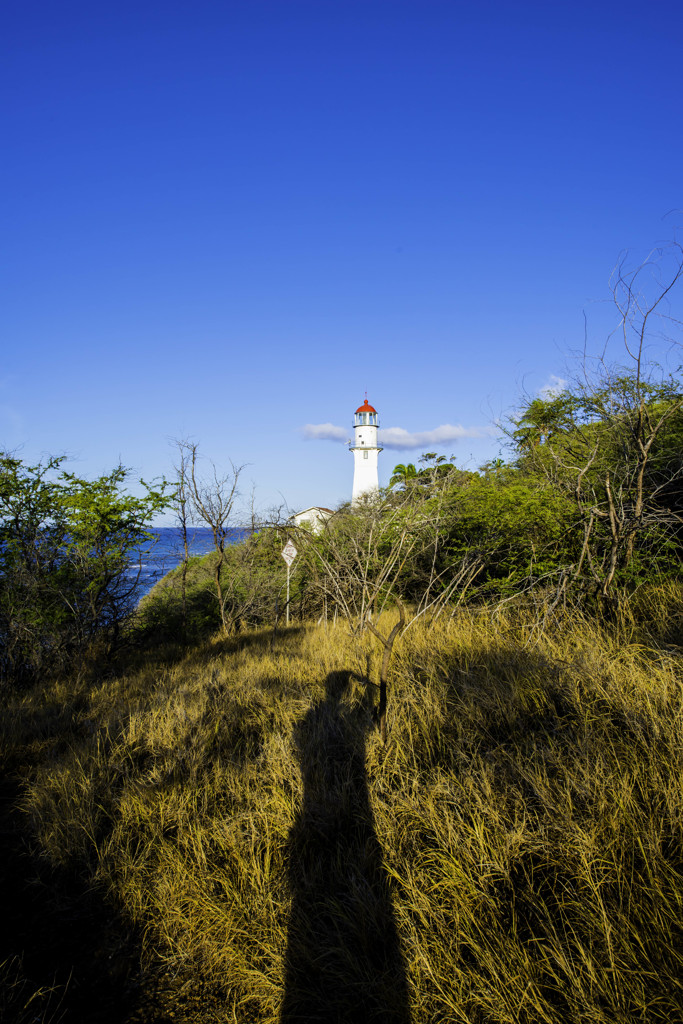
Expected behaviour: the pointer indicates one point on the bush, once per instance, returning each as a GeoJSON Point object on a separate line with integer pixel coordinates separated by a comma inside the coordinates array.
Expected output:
{"type": "Point", "coordinates": [68, 551]}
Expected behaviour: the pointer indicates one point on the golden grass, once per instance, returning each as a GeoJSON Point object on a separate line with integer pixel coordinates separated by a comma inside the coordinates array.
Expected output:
{"type": "Point", "coordinates": [21, 1002]}
{"type": "Point", "coordinates": [514, 854]}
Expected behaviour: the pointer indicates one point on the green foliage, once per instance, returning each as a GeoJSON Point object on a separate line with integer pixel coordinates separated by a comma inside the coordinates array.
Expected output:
{"type": "Point", "coordinates": [253, 576]}
{"type": "Point", "coordinates": [613, 447]}
{"type": "Point", "coordinates": [67, 560]}
{"type": "Point", "coordinates": [522, 531]}
{"type": "Point", "coordinates": [402, 475]}
{"type": "Point", "coordinates": [452, 534]}
{"type": "Point", "coordinates": [542, 419]}
{"type": "Point", "coordinates": [591, 507]}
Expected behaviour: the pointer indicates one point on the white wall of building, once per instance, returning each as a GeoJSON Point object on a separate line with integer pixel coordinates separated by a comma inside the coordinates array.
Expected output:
{"type": "Point", "coordinates": [365, 450]}
{"type": "Point", "coordinates": [315, 517]}
{"type": "Point", "coordinates": [365, 473]}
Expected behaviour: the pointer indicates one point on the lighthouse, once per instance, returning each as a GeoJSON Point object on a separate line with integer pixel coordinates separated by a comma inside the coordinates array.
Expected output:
{"type": "Point", "coordinates": [365, 451]}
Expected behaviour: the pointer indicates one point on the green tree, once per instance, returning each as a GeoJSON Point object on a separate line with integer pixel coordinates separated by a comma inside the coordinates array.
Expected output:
{"type": "Point", "coordinates": [619, 458]}
{"type": "Point", "coordinates": [519, 530]}
{"type": "Point", "coordinates": [68, 554]}
{"type": "Point", "coordinates": [612, 440]}
{"type": "Point", "coordinates": [402, 474]}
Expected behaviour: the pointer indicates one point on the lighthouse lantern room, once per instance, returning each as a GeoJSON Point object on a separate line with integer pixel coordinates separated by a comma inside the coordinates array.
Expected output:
{"type": "Point", "coordinates": [365, 451]}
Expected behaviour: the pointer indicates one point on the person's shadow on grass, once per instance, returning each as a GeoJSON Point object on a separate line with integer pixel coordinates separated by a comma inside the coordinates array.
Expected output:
{"type": "Point", "coordinates": [343, 960]}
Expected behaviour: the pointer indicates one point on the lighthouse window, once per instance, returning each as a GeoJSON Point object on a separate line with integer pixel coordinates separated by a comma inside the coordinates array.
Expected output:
{"type": "Point", "coordinates": [365, 455]}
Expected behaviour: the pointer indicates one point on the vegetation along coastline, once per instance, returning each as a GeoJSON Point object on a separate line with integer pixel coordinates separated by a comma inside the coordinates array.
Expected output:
{"type": "Point", "coordinates": [448, 791]}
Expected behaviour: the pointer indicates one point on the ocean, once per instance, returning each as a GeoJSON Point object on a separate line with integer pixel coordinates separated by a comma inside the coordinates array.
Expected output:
{"type": "Point", "coordinates": [167, 552]}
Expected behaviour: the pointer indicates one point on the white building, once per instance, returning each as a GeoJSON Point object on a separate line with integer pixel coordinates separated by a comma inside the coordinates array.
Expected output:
{"type": "Point", "coordinates": [315, 517]}
{"type": "Point", "coordinates": [365, 450]}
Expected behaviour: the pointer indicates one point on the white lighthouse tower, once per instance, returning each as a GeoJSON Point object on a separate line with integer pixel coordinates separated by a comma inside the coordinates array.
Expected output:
{"type": "Point", "coordinates": [365, 451]}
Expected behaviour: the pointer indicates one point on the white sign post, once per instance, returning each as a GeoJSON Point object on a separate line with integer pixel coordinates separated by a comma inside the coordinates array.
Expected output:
{"type": "Point", "coordinates": [289, 553]}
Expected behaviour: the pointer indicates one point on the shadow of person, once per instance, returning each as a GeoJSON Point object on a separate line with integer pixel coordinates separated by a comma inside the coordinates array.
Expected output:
{"type": "Point", "coordinates": [343, 960]}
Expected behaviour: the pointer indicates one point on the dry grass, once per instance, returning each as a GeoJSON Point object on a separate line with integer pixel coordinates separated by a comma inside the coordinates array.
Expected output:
{"type": "Point", "coordinates": [21, 1002]}
{"type": "Point", "coordinates": [515, 853]}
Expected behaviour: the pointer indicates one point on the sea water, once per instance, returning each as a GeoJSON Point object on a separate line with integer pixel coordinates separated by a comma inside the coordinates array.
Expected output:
{"type": "Point", "coordinates": [165, 552]}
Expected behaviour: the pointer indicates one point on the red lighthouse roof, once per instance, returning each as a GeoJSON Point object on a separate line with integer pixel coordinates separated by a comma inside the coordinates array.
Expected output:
{"type": "Point", "coordinates": [366, 407]}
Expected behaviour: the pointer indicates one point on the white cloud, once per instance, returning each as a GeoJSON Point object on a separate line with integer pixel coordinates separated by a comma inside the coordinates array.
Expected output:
{"type": "Point", "coordinates": [554, 387]}
{"type": "Point", "coordinates": [398, 437]}
{"type": "Point", "coordinates": [325, 432]}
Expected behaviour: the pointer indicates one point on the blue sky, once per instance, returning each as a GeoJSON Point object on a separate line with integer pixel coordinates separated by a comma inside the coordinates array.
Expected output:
{"type": "Point", "coordinates": [227, 221]}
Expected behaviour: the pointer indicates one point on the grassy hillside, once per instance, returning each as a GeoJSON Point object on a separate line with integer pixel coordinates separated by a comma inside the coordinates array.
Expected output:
{"type": "Point", "coordinates": [514, 854]}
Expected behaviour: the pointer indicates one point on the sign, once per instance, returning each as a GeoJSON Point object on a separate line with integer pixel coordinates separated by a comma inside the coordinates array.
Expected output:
{"type": "Point", "coordinates": [289, 552]}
